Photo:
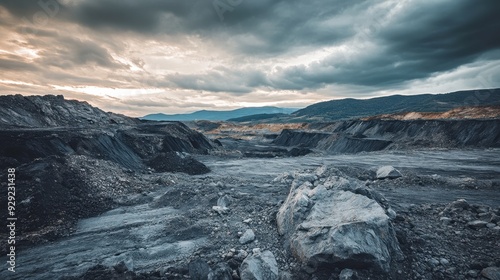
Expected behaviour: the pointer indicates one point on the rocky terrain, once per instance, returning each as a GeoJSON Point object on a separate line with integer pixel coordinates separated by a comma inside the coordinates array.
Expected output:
{"type": "Point", "coordinates": [58, 178]}
{"type": "Point", "coordinates": [374, 135]}
{"type": "Point", "coordinates": [356, 108]}
{"type": "Point", "coordinates": [139, 200]}
{"type": "Point", "coordinates": [431, 105]}
{"type": "Point", "coordinates": [178, 226]}
{"type": "Point", "coordinates": [474, 112]}
{"type": "Point", "coordinates": [18, 111]}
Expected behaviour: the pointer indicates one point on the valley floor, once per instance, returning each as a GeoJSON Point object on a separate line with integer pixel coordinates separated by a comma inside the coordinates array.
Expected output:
{"type": "Point", "coordinates": [169, 227]}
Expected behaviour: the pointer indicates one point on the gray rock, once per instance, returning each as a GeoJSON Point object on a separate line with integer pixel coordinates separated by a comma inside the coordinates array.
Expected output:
{"type": "Point", "coordinates": [388, 172]}
{"type": "Point", "coordinates": [348, 274]}
{"type": "Point", "coordinates": [491, 273]}
{"type": "Point", "coordinates": [494, 218]}
{"type": "Point", "coordinates": [458, 204]}
{"type": "Point", "coordinates": [485, 216]}
{"type": "Point", "coordinates": [199, 270]}
{"type": "Point", "coordinates": [242, 254]}
{"type": "Point", "coordinates": [224, 201]}
{"type": "Point", "coordinates": [262, 266]}
{"type": "Point", "coordinates": [220, 210]}
{"type": "Point", "coordinates": [324, 226]}
{"type": "Point", "coordinates": [391, 213]}
{"type": "Point", "coordinates": [221, 272]}
{"type": "Point", "coordinates": [433, 262]}
{"type": "Point", "coordinates": [444, 261]}
{"type": "Point", "coordinates": [473, 273]}
{"type": "Point", "coordinates": [247, 237]}
{"type": "Point", "coordinates": [483, 210]}
{"type": "Point", "coordinates": [477, 224]}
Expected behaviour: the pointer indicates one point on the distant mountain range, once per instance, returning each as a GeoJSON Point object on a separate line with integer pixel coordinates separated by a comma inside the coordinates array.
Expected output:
{"type": "Point", "coordinates": [346, 108]}
{"type": "Point", "coordinates": [219, 115]}
{"type": "Point", "coordinates": [355, 108]}
{"type": "Point", "coordinates": [259, 117]}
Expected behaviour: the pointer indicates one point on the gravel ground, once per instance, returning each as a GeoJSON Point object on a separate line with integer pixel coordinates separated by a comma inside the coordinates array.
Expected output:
{"type": "Point", "coordinates": [161, 222]}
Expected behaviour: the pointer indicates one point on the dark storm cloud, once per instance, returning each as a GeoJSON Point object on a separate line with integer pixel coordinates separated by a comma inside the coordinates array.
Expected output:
{"type": "Point", "coordinates": [429, 38]}
{"type": "Point", "coordinates": [252, 27]}
{"type": "Point", "coordinates": [142, 16]}
{"type": "Point", "coordinates": [221, 79]}
{"type": "Point", "coordinates": [274, 27]}
{"type": "Point", "coordinates": [365, 44]}
{"type": "Point", "coordinates": [22, 8]}
{"type": "Point", "coordinates": [270, 26]}
{"type": "Point", "coordinates": [455, 35]}
{"type": "Point", "coordinates": [213, 82]}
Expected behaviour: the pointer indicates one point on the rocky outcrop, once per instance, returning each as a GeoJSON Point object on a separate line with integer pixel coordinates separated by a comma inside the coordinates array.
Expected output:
{"type": "Point", "coordinates": [474, 112]}
{"type": "Point", "coordinates": [289, 137]}
{"type": "Point", "coordinates": [76, 161]}
{"type": "Point", "coordinates": [260, 266]}
{"type": "Point", "coordinates": [54, 111]}
{"type": "Point", "coordinates": [374, 135]}
{"type": "Point", "coordinates": [128, 148]}
{"type": "Point", "coordinates": [348, 144]}
{"type": "Point", "coordinates": [329, 219]}
{"type": "Point", "coordinates": [119, 139]}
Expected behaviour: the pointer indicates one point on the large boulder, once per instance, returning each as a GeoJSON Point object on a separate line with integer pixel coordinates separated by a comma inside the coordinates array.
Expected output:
{"type": "Point", "coordinates": [260, 266]}
{"type": "Point", "coordinates": [337, 222]}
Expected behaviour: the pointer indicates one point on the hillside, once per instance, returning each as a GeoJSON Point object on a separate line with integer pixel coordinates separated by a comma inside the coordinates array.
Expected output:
{"type": "Point", "coordinates": [219, 115]}
{"type": "Point", "coordinates": [119, 194]}
{"type": "Point", "coordinates": [54, 111]}
{"type": "Point", "coordinates": [355, 108]}
{"type": "Point", "coordinates": [354, 136]}
{"type": "Point", "coordinates": [479, 112]}
{"type": "Point", "coordinates": [258, 117]}
{"type": "Point", "coordinates": [76, 161]}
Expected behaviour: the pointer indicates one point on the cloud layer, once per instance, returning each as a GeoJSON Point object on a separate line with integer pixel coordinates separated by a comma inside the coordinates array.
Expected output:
{"type": "Point", "coordinates": [138, 57]}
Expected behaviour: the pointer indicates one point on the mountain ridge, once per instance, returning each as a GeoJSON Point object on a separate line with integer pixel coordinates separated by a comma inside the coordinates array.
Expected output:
{"type": "Point", "coordinates": [355, 108]}
{"type": "Point", "coordinates": [213, 115]}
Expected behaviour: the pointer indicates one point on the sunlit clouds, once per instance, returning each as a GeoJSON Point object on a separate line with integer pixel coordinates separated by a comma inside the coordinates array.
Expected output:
{"type": "Point", "coordinates": [141, 57]}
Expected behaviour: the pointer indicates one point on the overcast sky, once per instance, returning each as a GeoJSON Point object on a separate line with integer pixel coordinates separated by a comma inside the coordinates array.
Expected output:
{"type": "Point", "coordinates": [171, 56]}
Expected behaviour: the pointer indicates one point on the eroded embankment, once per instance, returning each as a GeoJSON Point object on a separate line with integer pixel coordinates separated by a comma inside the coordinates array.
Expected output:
{"type": "Point", "coordinates": [374, 135]}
